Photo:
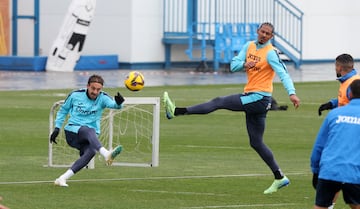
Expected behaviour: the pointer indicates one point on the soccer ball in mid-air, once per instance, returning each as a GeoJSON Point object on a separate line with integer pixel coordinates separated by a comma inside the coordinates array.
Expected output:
{"type": "Point", "coordinates": [134, 81]}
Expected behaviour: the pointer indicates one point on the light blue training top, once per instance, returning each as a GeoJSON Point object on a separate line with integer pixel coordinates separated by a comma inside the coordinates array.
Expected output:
{"type": "Point", "coordinates": [84, 111]}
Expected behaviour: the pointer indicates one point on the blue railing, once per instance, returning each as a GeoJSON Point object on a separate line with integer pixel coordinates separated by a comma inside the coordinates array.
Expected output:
{"type": "Point", "coordinates": [288, 34]}
{"type": "Point", "coordinates": [230, 38]}
{"type": "Point", "coordinates": [16, 17]}
{"type": "Point", "coordinates": [223, 25]}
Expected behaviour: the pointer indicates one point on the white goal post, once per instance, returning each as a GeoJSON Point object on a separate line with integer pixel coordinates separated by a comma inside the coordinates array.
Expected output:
{"type": "Point", "coordinates": [136, 127]}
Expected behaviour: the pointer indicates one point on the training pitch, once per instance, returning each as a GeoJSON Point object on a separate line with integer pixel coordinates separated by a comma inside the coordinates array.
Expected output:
{"type": "Point", "coordinates": [205, 160]}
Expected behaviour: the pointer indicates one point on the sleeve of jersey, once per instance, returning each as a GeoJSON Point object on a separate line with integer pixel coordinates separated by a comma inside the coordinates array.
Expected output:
{"type": "Point", "coordinates": [237, 62]}
{"type": "Point", "coordinates": [109, 102]}
{"type": "Point", "coordinates": [319, 146]}
{"type": "Point", "coordinates": [334, 103]}
{"type": "Point", "coordinates": [280, 69]}
{"type": "Point", "coordinates": [63, 111]}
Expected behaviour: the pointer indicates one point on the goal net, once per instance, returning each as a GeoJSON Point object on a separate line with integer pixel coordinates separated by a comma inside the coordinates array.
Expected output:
{"type": "Point", "coordinates": [135, 127]}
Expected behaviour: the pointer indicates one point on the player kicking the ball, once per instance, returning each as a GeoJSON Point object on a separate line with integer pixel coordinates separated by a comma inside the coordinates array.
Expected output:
{"type": "Point", "coordinates": [261, 63]}
{"type": "Point", "coordinates": [85, 107]}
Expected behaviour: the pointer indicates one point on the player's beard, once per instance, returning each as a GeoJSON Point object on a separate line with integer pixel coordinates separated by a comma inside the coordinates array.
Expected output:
{"type": "Point", "coordinates": [91, 95]}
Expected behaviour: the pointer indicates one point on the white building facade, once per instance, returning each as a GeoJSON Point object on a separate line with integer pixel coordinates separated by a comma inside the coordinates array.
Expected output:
{"type": "Point", "coordinates": [133, 29]}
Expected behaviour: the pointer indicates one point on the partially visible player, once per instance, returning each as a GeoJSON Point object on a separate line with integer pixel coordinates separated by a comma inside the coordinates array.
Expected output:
{"type": "Point", "coordinates": [335, 155]}
{"type": "Point", "coordinates": [345, 73]}
{"type": "Point", "coordinates": [85, 107]}
{"type": "Point", "coordinates": [275, 106]}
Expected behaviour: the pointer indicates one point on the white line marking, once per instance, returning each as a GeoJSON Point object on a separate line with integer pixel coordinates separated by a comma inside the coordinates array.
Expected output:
{"type": "Point", "coordinates": [184, 193]}
{"type": "Point", "coordinates": [212, 147]}
{"type": "Point", "coordinates": [241, 206]}
{"type": "Point", "coordinates": [155, 178]}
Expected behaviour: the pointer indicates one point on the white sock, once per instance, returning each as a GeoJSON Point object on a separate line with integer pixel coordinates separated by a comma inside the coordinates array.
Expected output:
{"type": "Point", "coordinates": [104, 152]}
{"type": "Point", "coordinates": [69, 173]}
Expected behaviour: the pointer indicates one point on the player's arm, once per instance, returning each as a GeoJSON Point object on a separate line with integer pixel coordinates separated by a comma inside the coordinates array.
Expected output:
{"type": "Point", "coordinates": [60, 118]}
{"type": "Point", "coordinates": [63, 111]}
{"type": "Point", "coordinates": [348, 94]}
{"type": "Point", "coordinates": [280, 69]}
{"type": "Point", "coordinates": [113, 103]}
{"type": "Point", "coordinates": [237, 62]}
{"type": "Point", "coordinates": [317, 151]}
{"type": "Point", "coordinates": [333, 103]}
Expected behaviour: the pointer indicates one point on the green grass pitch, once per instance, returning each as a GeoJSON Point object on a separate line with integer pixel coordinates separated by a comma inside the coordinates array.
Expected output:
{"type": "Point", "coordinates": [205, 161]}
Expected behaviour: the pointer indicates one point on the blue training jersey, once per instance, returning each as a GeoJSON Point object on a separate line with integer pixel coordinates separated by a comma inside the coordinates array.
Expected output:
{"type": "Point", "coordinates": [335, 155]}
{"type": "Point", "coordinates": [84, 111]}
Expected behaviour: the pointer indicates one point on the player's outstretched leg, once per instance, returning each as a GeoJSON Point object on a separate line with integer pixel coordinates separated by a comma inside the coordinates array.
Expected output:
{"type": "Point", "coordinates": [277, 184]}
{"type": "Point", "coordinates": [113, 154]}
{"type": "Point", "coordinates": [169, 106]}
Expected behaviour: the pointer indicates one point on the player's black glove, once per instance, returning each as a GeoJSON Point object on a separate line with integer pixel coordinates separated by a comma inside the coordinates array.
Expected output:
{"type": "Point", "coordinates": [325, 106]}
{"type": "Point", "coordinates": [54, 134]}
{"type": "Point", "coordinates": [315, 180]}
{"type": "Point", "coordinates": [119, 99]}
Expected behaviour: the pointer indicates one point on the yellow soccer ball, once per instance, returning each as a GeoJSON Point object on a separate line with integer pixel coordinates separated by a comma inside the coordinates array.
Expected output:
{"type": "Point", "coordinates": [134, 81]}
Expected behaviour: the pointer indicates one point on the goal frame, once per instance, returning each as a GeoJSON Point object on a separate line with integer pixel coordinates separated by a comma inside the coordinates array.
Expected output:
{"type": "Point", "coordinates": [155, 139]}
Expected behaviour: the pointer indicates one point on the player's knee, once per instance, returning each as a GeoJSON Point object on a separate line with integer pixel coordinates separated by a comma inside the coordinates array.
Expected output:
{"type": "Point", "coordinates": [92, 152]}
{"type": "Point", "coordinates": [89, 152]}
{"type": "Point", "coordinates": [216, 102]}
{"type": "Point", "coordinates": [256, 145]}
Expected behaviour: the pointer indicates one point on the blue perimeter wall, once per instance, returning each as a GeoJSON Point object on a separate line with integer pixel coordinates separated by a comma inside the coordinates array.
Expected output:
{"type": "Point", "coordinates": [38, 63]}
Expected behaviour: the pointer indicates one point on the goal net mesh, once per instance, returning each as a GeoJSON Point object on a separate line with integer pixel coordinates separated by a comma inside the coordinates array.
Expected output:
{"type": "Point", "coordinates": [135, 127]}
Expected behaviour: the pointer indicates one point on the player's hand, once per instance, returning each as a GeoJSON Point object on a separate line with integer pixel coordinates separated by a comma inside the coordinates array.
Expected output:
{"type": "Point", "coordinates": [53, 136]}
{"type": "Point", "coordinates": [295, 100]}
{"type": "Point", "coordinates": [249, 65]}
{"type": "Point", "coordinates": [325, 106]}
{"type": "Point", "coordinates": [119, 99]}
{"type": "Point", "coordinates": [315, 180]}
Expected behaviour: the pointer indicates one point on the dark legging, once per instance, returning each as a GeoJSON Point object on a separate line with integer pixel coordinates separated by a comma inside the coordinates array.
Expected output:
{"type": "Point", "coordinates": [255, 120]}
{"type": "Point", "coordinates": [87, 142]}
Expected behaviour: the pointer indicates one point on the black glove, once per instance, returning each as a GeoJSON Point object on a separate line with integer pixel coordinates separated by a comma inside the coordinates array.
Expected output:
{"type": "Point", "coordinates": [325, 106]}
{"type": "Point", "coordinates": [315, 180]}
{"type": "Point", "coordinates": [119, 99]}
{"type": "Point", "coordinates": [53, 136]}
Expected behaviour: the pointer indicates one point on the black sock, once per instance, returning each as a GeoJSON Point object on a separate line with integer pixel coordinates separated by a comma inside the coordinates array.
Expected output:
{"type": "Point", "coordinates": [180, 111]}
{"type": "Point", "coordinates": [278, 174]}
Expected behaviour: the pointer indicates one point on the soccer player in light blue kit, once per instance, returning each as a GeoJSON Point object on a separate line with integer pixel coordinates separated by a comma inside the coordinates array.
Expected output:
{"type": "Point", "coordinates": [85, 107]}
{"type": "Point", "coordinates": [335, 158]}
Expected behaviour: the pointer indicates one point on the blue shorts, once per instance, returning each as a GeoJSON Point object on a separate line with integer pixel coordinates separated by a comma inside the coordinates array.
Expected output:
{"type": "Point", "coordinates": [326, 190]}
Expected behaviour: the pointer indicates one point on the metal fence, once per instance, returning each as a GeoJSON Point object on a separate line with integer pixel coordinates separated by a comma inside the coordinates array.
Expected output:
{"type": "Point", "coordinates": [219, 25]}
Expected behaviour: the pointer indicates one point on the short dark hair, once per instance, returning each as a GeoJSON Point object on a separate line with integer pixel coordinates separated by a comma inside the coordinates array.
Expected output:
{"type": "Point", "coordinates": [96, 78]}
{"type": "Point", "coordinates": [267, 24]}
{"type": "Point", "coordinates": [355, 88]}
{"type": "Point", "coordinates": [346, 61]}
